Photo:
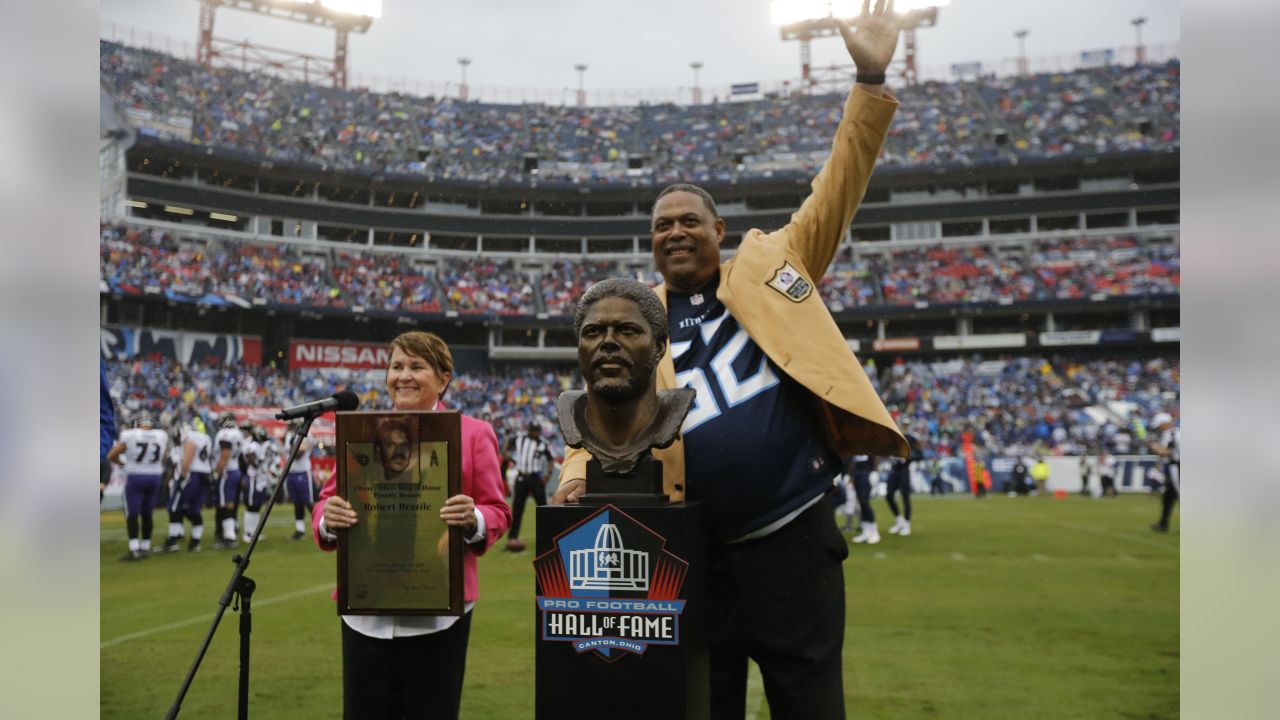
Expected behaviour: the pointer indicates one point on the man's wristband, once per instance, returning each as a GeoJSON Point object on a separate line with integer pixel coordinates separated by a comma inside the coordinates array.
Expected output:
{"type": "Point", "coordinates": [870, 78]}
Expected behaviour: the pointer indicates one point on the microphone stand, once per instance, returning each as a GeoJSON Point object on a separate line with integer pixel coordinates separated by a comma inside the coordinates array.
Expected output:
{"type": "Point", "coordinates": [240, 588]}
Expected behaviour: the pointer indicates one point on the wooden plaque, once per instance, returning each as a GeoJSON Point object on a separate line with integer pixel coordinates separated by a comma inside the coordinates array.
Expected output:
{"type": "Point", "coordinates": [397, 469]}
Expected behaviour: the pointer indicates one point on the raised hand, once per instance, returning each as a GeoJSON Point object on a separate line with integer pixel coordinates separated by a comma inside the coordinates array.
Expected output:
{"type": "Point", "coordinates": [872, 45]}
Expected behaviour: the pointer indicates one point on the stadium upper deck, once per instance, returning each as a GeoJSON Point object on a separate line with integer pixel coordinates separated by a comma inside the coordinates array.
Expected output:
{"type": "Point", "coordinates": [1089, 112]}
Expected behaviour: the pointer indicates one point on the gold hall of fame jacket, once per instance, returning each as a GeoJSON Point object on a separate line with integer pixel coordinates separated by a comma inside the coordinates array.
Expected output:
{"type": "Point", "coordinates": [770, 288]}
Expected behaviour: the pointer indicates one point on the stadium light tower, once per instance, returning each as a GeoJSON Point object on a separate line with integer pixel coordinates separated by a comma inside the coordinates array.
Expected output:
{"type": "Point", "coordinates": [697, 87]}
{"type": "Point", "coordinates": [1023, 65]}
{"type": "Point", "coordinates": [343, 16]}
{"type": "Point", "coordinates": [1140, 52]}
{"type": "Point", "coordinates": [463, 62]}
{"type": "Point", "coordinates": [804, 20]}
{"type": "Point", "coordinates": [582, 92]}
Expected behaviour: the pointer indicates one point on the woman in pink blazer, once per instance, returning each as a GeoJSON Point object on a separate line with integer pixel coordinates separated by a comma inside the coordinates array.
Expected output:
{"type": "Point", "coordinates": [410, 666]}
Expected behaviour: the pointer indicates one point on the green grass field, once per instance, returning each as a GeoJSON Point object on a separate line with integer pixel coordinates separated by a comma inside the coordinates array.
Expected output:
{"type": "Point", "coordinates": [1028, 608]}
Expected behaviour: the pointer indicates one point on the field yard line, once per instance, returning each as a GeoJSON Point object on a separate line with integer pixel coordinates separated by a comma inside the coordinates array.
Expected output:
{"type": "Point", "coordinates": [1096, 531]}
{"type": "Point", "coordinates": [958, 556]}
{"type": "Point", "coordinates": [206, 618]}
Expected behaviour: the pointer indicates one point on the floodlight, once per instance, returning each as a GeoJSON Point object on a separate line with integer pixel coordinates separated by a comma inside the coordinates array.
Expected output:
{"type": "Point", "coordinates": [360, 8]}
{"type": "Point", "coordinates": [342, 16]}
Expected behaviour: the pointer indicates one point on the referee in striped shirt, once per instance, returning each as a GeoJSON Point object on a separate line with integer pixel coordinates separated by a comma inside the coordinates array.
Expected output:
{"type": "Point", "coordinates": [532, 458]}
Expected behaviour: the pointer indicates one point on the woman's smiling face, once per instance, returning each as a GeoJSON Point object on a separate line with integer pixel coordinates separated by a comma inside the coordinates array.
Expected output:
{"type": "Point", "coordinates": [413, 383]}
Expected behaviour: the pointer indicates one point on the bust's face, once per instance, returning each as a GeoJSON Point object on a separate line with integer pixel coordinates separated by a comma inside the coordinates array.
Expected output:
{"type": "Point", "coordinates": [615, 349]}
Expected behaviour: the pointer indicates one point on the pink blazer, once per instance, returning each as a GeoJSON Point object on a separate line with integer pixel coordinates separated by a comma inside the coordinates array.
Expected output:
{"type": "Point", "coordinates": [481, 479]}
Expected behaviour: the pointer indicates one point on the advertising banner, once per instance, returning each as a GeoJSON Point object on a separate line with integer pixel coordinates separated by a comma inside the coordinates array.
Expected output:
{"type": "Point", "coordinates": [969, 342]}
{"type": "Point", "coordinates": [335, 354]}
{"type": "Point", "coordinates": [905, 344]}
{"type": "Point", "coordinates": [1074, 337]}
{"type": "Point", "coordinates": [187, 348]}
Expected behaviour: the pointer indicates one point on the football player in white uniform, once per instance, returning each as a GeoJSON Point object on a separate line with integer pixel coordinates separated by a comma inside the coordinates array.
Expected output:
{"type": "Point", "coordinates": [258, 454]}
{"type": "Point", "coordinates": [186, 490]}
{"type": "Point", "coordinates": [141, 450]}
{"type": "Point", "coordinates": [228, 444]}
{"type": "Point", "coordinates": [301, 489]}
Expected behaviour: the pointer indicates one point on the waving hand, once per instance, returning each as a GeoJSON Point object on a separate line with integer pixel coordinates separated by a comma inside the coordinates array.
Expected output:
{"type": "Point", "coordinates": [872, 45]}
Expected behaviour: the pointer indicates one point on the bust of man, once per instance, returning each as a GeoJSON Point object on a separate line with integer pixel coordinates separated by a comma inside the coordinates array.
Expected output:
{"type": "Point", "coordinates": [622, 333]}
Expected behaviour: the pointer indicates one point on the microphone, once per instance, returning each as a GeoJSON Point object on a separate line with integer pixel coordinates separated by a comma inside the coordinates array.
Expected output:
{"type": "Point", "coordinates": [345, 400]}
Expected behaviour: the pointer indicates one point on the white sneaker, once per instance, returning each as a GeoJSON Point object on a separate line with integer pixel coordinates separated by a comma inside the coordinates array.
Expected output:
{"type": "Point", "coordinates": [869, 535]}
{"type": "Point", "coordinates": [906, 528]}
{"type": "Point", "coordinates": [897, 527]}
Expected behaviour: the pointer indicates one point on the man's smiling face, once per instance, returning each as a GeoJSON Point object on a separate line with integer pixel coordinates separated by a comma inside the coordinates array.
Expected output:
{"type": "Point", "coordinates": [686, 241]}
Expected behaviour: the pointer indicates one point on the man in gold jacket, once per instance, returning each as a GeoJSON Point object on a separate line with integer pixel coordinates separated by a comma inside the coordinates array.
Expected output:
{"type": "Point", "coordinates": [781, 399]}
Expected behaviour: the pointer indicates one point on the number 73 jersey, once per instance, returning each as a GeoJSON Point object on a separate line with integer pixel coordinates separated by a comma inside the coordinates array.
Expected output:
{"type": "Point", "coordinates": [145, 450]}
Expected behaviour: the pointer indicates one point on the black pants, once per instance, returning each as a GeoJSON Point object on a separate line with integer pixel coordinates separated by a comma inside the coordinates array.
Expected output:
{"type": "Point", "coordinates": [900, 483]}
{"type": "Point", "coordinates": [779, 600]}
{"type": "Point", "coordinates": [1170, 495]}
{"type": "Point", "coordinates": [407, 677]}
{"type": "Point", "coordinates": [104, 476]}
{"type": "Point", "coordinates": [526, 484]}
{"type": "Point", "coordinates": [1108, 485]}
{"type": "Point", "coordinates": [862, 491]}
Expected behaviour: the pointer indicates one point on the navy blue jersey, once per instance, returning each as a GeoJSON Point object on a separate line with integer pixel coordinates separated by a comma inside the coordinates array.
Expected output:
{"type": "Point", "coordinates": [753, 451]}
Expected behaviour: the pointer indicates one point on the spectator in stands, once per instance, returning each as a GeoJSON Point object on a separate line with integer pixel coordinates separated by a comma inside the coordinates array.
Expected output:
{"type": "Point", "coordinates": [1088, 111]}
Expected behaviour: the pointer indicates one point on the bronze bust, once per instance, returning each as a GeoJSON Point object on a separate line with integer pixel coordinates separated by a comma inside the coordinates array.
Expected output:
{"type": "Point", "coordinates": [621, 328]}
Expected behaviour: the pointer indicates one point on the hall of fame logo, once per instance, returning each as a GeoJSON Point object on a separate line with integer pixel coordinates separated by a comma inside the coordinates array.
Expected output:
{"type": "Point", "coordinates": [791, 283]}
{"type": "Point", "coordinates": [609, 586]}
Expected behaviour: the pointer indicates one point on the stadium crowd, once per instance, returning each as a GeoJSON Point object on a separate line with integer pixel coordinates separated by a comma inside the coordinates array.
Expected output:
{"type": "Point", "coordinates": [946, 275]}
{"type": "Point", "coordinates": [1027, 405]}
{"type": "Point", "coordinates": [487, 287]}
{"type": "Point", "coordinates": [134, 260]}
{"type": "Point", "coordinates": [1094, 110]}
{"type": "Point", "coordinates": [1073, 268]}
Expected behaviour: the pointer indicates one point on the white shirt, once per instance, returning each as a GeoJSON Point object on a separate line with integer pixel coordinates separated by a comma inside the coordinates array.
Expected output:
{"type": "Point", "coordinates": [385, 627]}
{"type": "Point", "coordinates": [1109, 467]}
{"type": "Point", "coordinates": [230, 438]}
{"type": "Point", "coordinates": [1171, 439]}
{"type": "Point", "coordinates": [302, 463]}
{"type": "Point", "coordinates": [203, 451]}
{"type": "Point", "coordinates": [259, 474]}
{"type": "Point", "coordinates": [144, 451]}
